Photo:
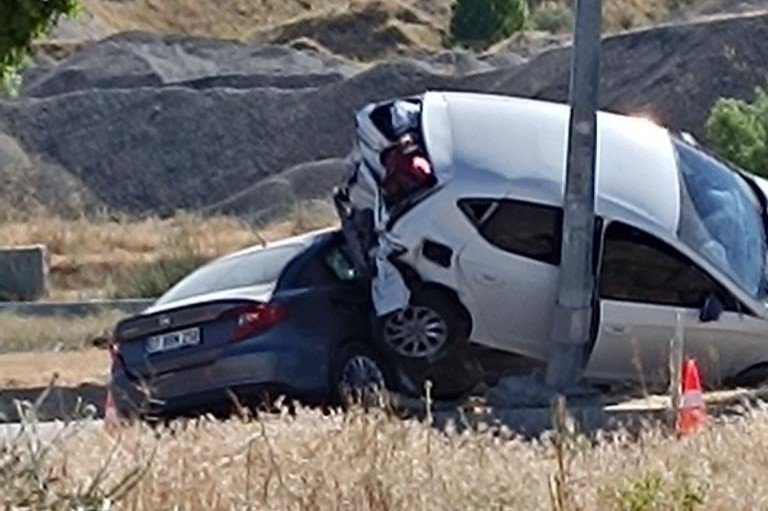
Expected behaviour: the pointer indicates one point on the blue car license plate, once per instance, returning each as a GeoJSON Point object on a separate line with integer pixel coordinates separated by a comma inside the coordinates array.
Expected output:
{"type": "Point", "coordinates": [173, 340]}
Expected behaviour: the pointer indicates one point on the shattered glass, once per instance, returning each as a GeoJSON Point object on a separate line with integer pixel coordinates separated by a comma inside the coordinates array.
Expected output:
{"type": "Point", "coordinates": [721, 219]}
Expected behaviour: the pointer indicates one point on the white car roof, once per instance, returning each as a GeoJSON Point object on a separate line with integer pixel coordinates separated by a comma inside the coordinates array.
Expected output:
{"type": "Point", "coordinates": [524, 142]}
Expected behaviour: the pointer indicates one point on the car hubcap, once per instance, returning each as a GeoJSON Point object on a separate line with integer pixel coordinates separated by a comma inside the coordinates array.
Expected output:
{"type": "Point", "coordinates": [360, 373]}
{"type": "Point", "coordinates": [416, 332]}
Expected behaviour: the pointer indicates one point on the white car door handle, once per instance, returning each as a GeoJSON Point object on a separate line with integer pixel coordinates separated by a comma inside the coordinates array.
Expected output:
{"type": "Point", "coordinates": [487, 278]}
{"type": "Point", "coordinates": [617, 330]}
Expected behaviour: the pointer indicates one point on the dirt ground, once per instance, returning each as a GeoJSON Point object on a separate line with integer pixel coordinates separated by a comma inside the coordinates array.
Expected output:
{"type": "Point", "coordinates": [70, 368]}
{"type": "Point", "coordinates": [75, 381]}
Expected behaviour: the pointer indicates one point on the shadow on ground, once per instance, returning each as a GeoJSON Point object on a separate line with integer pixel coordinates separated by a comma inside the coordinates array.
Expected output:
{"type": "Point", "coordinates": [61, 402]}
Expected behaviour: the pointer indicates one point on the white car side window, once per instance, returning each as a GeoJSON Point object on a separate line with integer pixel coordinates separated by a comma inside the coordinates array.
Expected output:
{"type": "Point", "coordinates": [638, 267]}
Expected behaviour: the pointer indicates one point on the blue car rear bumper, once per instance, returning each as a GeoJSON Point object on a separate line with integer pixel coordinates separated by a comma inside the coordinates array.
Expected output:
{"type": "Point", "coordinates": [246, 372]}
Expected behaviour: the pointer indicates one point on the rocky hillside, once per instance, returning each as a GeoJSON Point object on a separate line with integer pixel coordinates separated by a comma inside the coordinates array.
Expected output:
{"type": "Point", "coordinates": [143, 123]}
{"type": "Point", "coordinates": [366, 30]}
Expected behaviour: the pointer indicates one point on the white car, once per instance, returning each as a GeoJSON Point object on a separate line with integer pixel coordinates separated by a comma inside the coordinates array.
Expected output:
{"type": "Point", "coordinates": [679, 231]}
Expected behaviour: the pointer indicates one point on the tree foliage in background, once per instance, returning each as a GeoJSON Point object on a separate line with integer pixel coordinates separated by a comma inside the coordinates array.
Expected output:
{"type": "Point", "coordinates": [738, 131]}
{"type": "Point", "coordinates": [480, 23]}
{"type": "Point", "coordinates": [21, 22]}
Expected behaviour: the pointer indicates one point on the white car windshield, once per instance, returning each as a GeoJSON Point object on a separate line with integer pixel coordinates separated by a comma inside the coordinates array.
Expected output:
{"type": "Point", "coordinates": [251, 269]}
{"type": "Point", "coordinates": [721, 218]}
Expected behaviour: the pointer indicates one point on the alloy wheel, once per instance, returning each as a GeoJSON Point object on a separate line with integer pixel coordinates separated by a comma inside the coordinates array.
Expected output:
{"type": "Point", "coordinates": [361, 372]}
{"type": "Point", "coordinates": [416, 332]}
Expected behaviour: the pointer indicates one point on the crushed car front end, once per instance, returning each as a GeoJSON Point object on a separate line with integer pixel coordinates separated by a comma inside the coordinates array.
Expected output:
{"type": "Point", "coordinates": [482, 241]}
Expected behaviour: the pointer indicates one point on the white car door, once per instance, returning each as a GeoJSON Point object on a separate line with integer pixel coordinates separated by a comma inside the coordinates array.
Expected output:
{"type": "Point", "coordinates": [726, 346]}
{"type": "Point", "coordinates": [511, 272]}
{"type": "Point", "coordinates": [644, 283]}
{"type": "Point", "coordinates": [632, 342]}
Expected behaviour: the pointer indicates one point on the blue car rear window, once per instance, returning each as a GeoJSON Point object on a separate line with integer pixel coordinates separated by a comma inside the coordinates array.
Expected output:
{"type": "Point", "coordinates": [247, 270]}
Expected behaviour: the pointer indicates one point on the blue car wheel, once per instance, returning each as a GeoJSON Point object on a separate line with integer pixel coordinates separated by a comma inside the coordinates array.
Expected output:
{"type": "Point", "coordinates": [361, 376]}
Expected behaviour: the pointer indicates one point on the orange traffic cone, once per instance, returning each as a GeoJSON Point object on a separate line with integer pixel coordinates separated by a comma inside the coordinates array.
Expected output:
{"type": "Point", "coordinates": [111, 416]}
{"type": "Point", "coordinates": [692, 416]}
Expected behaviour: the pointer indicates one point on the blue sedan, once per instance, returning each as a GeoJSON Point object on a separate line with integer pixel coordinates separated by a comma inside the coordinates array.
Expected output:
{"type": "Point", "coordinates": [290, 318]}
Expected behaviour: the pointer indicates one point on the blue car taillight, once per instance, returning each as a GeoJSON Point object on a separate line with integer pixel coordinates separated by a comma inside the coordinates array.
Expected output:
{"type": "Point", "coordinates": [114, 347]}
{"type": "Point", "coordinates": [254, 318]}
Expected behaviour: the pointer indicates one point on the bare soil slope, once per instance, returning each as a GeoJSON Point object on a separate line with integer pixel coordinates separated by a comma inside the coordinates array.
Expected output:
{"type": "Point", "coordinates": [672, 74]}
{"type": "Point", "coordinates": [157, 133]}
{"type": "Point", "coordinates": [143, 59]}
{"type": "Point", "coordinates": [363, 30]}
{"type": "Point", "coordinates": [389, 26]}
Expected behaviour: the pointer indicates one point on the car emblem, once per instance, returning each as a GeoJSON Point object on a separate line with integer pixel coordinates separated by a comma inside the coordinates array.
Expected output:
{"type": "Point", "coordinates": [164, 321]}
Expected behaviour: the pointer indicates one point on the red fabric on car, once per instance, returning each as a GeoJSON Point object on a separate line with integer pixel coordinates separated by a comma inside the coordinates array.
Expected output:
{"type": "Point", "coordinates": [406, 172]}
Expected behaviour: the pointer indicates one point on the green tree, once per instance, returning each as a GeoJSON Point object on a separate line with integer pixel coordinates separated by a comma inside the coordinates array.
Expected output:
{"type": "Point", "coordinates": [738, 130]}
{"type": "Point", "coordinates": [480, 23]}
{"type": "Point", "coordinates": [21, 22]}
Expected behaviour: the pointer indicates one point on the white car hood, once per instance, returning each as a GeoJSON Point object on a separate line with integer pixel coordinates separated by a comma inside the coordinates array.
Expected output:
{"type": "Point", "coordinates": [260, 293]}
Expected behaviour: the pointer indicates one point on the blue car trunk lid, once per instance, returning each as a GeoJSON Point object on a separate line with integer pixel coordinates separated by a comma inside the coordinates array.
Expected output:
{"type": "Point", "coordinates": [213, 321]}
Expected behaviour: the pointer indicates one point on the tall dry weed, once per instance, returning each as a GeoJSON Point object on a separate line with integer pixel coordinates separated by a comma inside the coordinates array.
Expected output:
{"type": "Point", "coordinates": [100, 256]}
{"type": "Point", "coordinates": [312, 460]}
{"type": "Point", "coordinates": [31, 333]}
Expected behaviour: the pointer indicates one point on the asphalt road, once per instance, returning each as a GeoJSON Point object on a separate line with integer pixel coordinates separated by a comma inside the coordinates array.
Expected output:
{"type": "Point", "coordinates": [528, 421]}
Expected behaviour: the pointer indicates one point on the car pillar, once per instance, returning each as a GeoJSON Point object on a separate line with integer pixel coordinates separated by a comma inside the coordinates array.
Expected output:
{"type": "Point", "coordinates": [571, 328]}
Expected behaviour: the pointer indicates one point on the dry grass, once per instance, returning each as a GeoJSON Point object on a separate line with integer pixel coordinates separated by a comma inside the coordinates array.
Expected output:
{"type": "Point", "coordinates": [628, 14]}
{"type": "Point", "coordinates": [373, 462]}
{"type": "Point", "coordinates": [364, 30]}
{"type": "Point", "coordinates": [386, 27]}
{"type": "Point", "coordinates": [618, 15]}
{"type": "Point", "coordinates": [29, 333]}
{"type": "Point", "coordinates": [88, 256]}
{"type": "Point", "coordinates": [73, 242]}
{"type": "Point", "coordinates": [225, 18]}
{"type": "Point", "coordinates": [240, 18]}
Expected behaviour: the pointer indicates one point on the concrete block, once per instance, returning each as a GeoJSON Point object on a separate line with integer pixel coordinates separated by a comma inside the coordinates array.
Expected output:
{"type": "Point", "coordinates": [23, 273]}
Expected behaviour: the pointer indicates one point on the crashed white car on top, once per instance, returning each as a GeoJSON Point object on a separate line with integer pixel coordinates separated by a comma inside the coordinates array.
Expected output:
{"type": "Point", "coordinates": [473, 258]}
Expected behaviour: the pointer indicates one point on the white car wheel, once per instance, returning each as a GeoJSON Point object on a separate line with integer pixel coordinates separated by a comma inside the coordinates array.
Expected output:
{"type": "Point", "coordinates": [416, 332]}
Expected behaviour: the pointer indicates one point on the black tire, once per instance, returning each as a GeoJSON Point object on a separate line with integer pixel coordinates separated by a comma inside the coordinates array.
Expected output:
{"type": "Point", "coordinates": [442, 328]}
{"type": "Point", "coordinates": [358, 357]}
{"type": "Point", "coordinates": [451, 369]}
{"type": "Point", "coordinates": [756, 376]}
{"type": "Point", "coordinates": [451, 378]}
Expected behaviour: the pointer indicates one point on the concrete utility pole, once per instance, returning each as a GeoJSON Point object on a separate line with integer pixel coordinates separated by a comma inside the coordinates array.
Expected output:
{"type": "Point", "coordinates": [573, 314]}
